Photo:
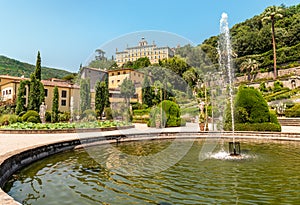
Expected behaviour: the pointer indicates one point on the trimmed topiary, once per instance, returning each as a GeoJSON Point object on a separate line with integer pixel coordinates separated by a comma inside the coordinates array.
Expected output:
{"type": "Point", "coordinates": [251, 112]}
{"type": "Point", "coordinates": [8, 119]}
{"type": "Point", "coordinates": [293, 111]}
{"type": "Point", "coordinates": [31, 113]}
{"type": "Point", "coordinates": [170, 115]}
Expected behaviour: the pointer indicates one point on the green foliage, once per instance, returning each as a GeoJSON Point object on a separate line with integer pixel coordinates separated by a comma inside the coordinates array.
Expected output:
{"type": "Point", "coordinates": [36, 93]}
{"type": "Point", "coordinates": [31, 114]}
{"type": "Point", "coordinates": [277, 86]}
{"type": "Point", "coordinates": [141, 112]}
{"type": "Point", "coordinates": [13, 67]}
{"type": "Point", "coordinates": [252, 39]}
{"type": "Point", "coordinates": [48, 116]}
{"type": "Point", "coordinates": [147, 93]}
{"type": "Point", "coordinates": [262, 127]}
{"type": "Point", "coordinates": [20, 104]}
{"type": "Point", "coordinates": [108, 113]}
{"type": "Point", "coordinates": [170, 115]}
{"type": "Point", "coordinates": [102, 64]}
{"type": "Point", "coordinates": [63, 125]}
{"type": "Point", "coordinates": [250, 108]}
{"type": "Point", "coordinates": [262, 87]}
{"type": "Point", "coordinates": [137, 64]}
{"type": "Point", "coordinates": [127, 89]}
{"type": "Point", "coordinates": [55, 111]}
{"type": "Point", "coordinates": [64, 117]}
{"type": "Point", "coordinates": [101, 97]}
{"type": "Point", "coordinates": [293, 111]}
{"type": "Point", "coordinates": [38, 68]}
{"type": "Point", "coordinates": [85, 95]}
{"type": "Point", "coordinates": [7, 119]}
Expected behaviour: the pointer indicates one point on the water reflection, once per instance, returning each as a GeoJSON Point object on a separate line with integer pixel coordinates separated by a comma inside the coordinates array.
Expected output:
{"type": "Point", "coordinates": [269, 174]}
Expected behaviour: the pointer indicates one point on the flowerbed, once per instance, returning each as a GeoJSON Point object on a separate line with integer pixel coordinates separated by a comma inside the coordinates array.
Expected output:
{"type": "Point", "coordinates": [63, 125]}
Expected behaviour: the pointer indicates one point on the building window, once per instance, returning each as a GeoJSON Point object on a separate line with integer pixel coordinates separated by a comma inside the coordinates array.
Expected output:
{"type": "Point", "coordinates": [63, 102]}
{"type": "Point", "coordinates": [112, 82]}
{"type": "Point", "coordinates": [46, 92]}
{"type": "Point", "coordinates": [63, 93]}
{"type": "Point", "coordinates": [113, 74]}
{"type": "Point", "coordinates": [124, 72]}
{"type": "Point", "coordinates": [118, 73]}
{"type": "Point", "coordinates": [3, 92]}
{"type": "Point", "coordinates": [118, 81]}
{"type": "Point", "coordinates": [9, 92]}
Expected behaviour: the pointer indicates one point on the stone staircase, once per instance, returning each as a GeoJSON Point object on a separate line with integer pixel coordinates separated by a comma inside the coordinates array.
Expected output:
{"type": "Point", "coordinates": [289, 121]}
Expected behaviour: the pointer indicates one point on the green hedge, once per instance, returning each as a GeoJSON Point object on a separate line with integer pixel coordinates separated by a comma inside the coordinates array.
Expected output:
{"type": "Point", "coordinates": [170, 115]}
{"type": "Point", "coordinates": [30, 114]}
{"type": "Point", "coordinates": [266, 126]}
{"type": "Point", "coordinates": [141, 112]}
{"type": "Point", "coordinates": [293, 111]}
{"type": "Point", "coordinates": [8, 119]}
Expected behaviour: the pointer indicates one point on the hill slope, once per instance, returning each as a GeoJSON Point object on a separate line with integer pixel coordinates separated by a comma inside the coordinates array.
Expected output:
{"type": "Point", "coordinates": [252, 39]}
{"type": "Point", "coordinates": [14, 67]}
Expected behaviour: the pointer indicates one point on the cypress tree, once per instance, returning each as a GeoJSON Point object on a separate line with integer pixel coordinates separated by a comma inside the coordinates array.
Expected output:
{"type": "Point", "coordinates": [20, 98]}
{"type": "Point", "coordinates": [54, 113]}
{"type": "Point", "coordinates": [147, 94]}
{"type": "Point", "coordinates": [38, 69]}
{"type": "Point", "coordinates": [101, 97]}
{"type": "Point", "coordinates": [34, 93]}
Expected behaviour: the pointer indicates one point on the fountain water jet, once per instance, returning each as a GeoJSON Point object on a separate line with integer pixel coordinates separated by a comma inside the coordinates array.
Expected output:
{"type": "Point", "coordinates": [225, 52]}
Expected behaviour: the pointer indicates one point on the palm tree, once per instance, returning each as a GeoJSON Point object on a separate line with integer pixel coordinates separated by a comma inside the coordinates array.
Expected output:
{"type": "Point", "coordinates": [270, 14]}
{"type": "Point", "coordinates": [249, 66]}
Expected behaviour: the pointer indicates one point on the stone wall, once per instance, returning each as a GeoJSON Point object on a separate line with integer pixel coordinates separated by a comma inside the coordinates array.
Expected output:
{"type": "Point", "coordinates": [292, 82]}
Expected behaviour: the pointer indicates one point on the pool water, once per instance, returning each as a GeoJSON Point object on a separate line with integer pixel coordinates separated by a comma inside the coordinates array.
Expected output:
{"type": "Point", "coordinates": [267, 173]}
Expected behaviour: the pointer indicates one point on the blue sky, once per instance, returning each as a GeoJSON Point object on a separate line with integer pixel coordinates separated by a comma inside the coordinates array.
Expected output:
{"type": "Point", "coordinates": [68, 32]}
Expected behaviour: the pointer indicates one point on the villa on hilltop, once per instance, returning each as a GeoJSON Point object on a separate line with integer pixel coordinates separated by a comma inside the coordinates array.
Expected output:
{"type": "Point", "coordinates": [144, 49]}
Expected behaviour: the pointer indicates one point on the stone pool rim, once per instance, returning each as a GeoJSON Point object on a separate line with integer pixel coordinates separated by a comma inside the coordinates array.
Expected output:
{"type": "Point", "coordinates": [12, 161]}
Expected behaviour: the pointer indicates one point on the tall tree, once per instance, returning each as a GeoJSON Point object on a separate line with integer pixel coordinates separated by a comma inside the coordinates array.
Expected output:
{"type": "Point", "coordinates": [38, 68]}
{"type": "Point", "coordinates": [249, 66]}
{"type": "Point", "coordinates": [147, 94]}
{"type": "Point", "coordinates": [270, 14]}
{"type": "Point", "coordinates": [127, 90]}
{"type": "Point", "coordinates": [85, 95]}
{"type": "Point", "coordinates": [21, 97]}
{"type": "Point", "coordinates": [101, 97]}
{"type": "Point", "coordinates": [54, 113]}
{"type": "Point", "coordinates": [36, 94]}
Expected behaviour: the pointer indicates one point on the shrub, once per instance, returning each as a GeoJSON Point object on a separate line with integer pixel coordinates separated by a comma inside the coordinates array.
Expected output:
{"type": "Point", "coordinates": [170, 114]}
{"type": "Point", "coordinates": [262, 127]}
{"type": "Point", "coordinates": [21, 113]}
{"type": "Point", "coordinates": [64, 117]}
{"type": "Point", "coordinates": [251, 110]}
{"type": "Point", "coordinates": [141, 112]}
{"type": "Point", "coordinates": [33, 119]}
{"type": "Point", "coordinates": [30, 113]}
{"type": "Point", "coordinates": [278, 86]}
{"type": "Point", "coordinates": [48, 116]}
{"type": "Point", "coordinates": [293, 111]}
{"type": "Point", "coordinates": [8, 119]}
{"type": "Point", "coordinates": [108, 113]}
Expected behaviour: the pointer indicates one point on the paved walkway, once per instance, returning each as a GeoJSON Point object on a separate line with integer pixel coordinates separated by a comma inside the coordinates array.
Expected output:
{"type": "Point", "coordinates": [12, 142]}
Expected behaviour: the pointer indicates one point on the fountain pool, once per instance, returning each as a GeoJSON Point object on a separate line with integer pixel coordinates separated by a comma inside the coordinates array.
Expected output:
{"type": "Point", "coordinates": [267, 173]}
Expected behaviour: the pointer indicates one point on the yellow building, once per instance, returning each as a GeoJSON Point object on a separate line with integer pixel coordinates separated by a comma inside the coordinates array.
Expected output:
{"type": "Point", "coordinates": [144, 49]}
{"type": "Point", "coordinates": [69, 94]}
{"type": "Point", "coordinates": [116, 78]}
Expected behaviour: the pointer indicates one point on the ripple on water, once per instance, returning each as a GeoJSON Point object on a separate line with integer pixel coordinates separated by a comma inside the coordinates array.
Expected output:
{"type": "Point", "coordinates": [267, 173]}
